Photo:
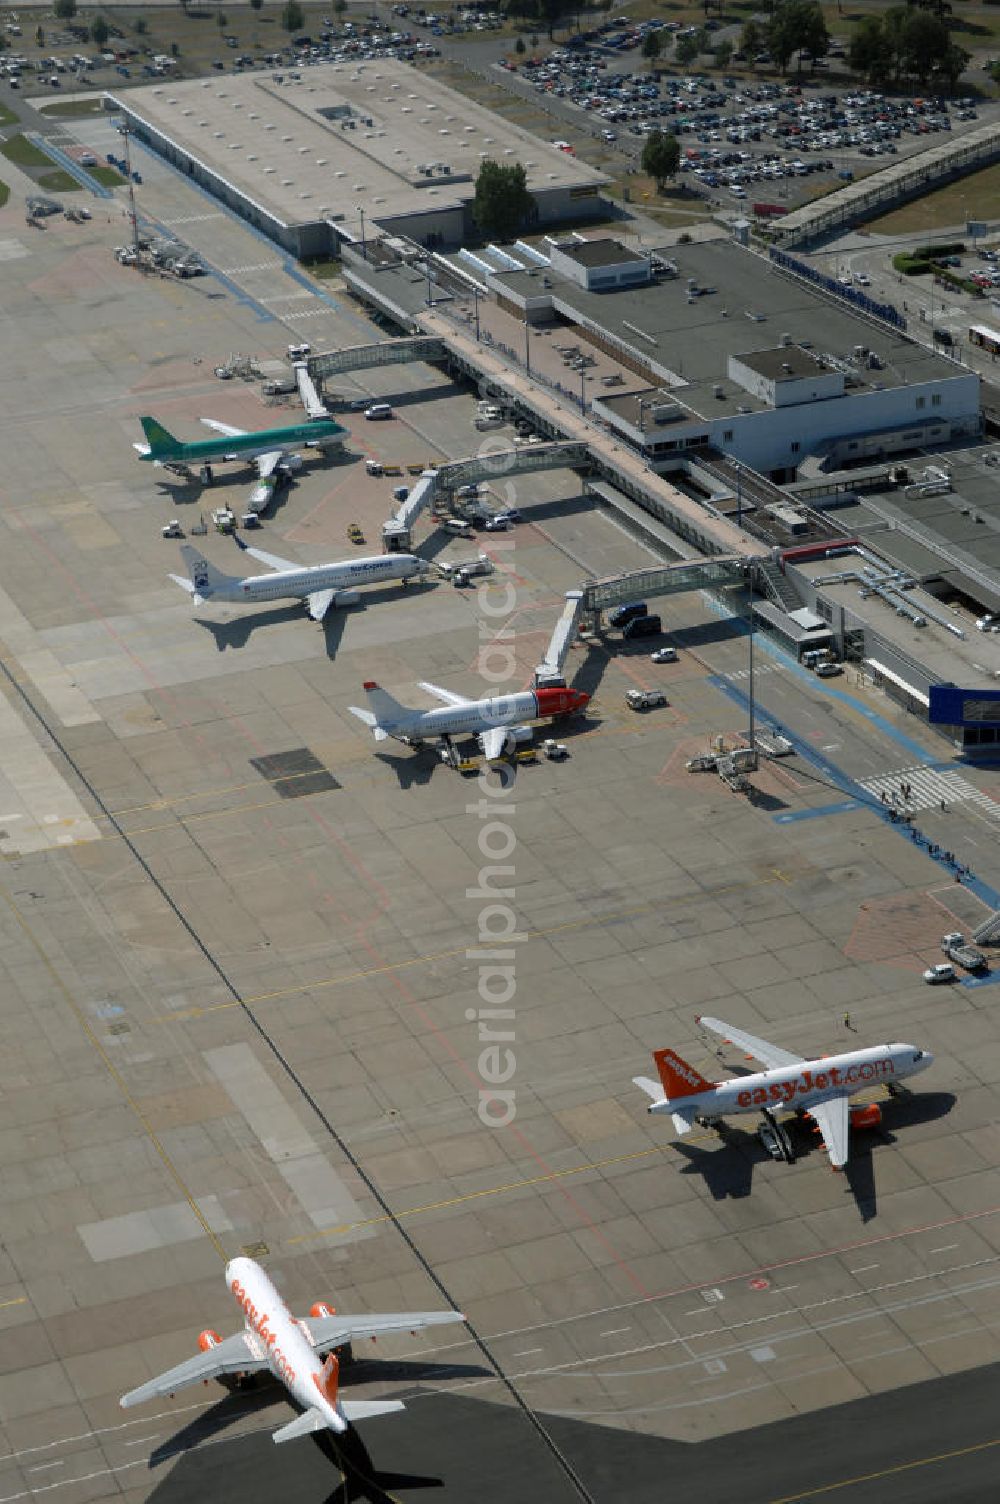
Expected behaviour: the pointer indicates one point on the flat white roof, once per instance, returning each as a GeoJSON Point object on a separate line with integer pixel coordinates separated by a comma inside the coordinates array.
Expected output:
{"type": "Point", "coordinates": [380, 134]}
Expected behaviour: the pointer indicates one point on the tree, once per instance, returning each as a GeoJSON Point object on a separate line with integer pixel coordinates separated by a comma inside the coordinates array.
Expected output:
{"type": "Point", "coordinates": [256, 4]}
{"type": "Point", "coordinates": [751, 39]}
{"type": "Point", "coordinates": [519, 47]}
{"type": "Point", "coordinates": [953, 63]}
{"type": "Point", "coordinates": [796, 26]}
{"type": "Point", "coordinates": [99, 32]}
{"type": "Point", "coordinates": [687, 50]}
{"type": "Point", "coordinates": [815, 39]}
{"type": "Point", "coordinates": [651, 47]}
{"type": "Point", "coordinates": [339, 6]}
{"type": "Point", "coordinates": [722, 52]}
{"type": "Point", "coordinates": [661, 156]}
{"type": "Point", "coordinates": [502, 203]}
{"type": "Point", "coordinates": [141, 26]}
{"type": "Point", "coordinates": [64, 10]}
{"type": "Point", "coordinates": [924, 39]}
{"type": "Point", "coordinates": [39, 36]}
{"type": "Point", "coordinates": [783, 32]}
{"type": "Point", "coordinates": [553, 11]}
{"type": "Point", "coordinates": [292, 16]}
{"type": "Point", "coordinates": [221, 20]}
{"type": "Point", "coordinates": [872, 52]}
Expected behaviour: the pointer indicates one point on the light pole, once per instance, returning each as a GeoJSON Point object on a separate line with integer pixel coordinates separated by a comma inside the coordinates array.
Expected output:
{"type": "Point", "coordinates": [475, 294]}
{"type": "Point", "coordinates": [364, 253]}
{"type": "Point", "coordinates": [583, 397]}
{"type": "Point", "coordinates": [739, 492]}
{"type": "Point", "coordinates": [527, 347]}
{"type": "Point", "coordinates": [753, 735]}
{"type": "Point", "coordinates": [427, 265]}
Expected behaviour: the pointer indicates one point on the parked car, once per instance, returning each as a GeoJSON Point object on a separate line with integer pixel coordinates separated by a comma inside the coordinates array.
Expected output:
{"type": "Point", "coordinates": [942, 972]}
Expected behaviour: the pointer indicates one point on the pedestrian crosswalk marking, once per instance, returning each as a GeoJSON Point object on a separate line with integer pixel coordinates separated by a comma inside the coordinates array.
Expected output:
{"type": "Point", "coordinates": [927, 788]}
{"type": "Point", "coordinates": [193, 219]}
{"type": "Point", "coordinates": [256, 266]}
{"type": "Point", "coordinates": [744, 673]}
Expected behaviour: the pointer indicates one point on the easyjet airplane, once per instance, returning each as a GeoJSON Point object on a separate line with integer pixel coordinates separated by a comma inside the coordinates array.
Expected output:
{"type": "Point", "coordinates": [289, 1346]}
{"type": "Point", "coordinates": [821, 1088]}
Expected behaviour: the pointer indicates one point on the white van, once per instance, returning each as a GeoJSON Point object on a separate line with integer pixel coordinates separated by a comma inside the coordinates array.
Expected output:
{"type": "Point", "coordinates": [458, 526]}
{"type": "Point", "coordinates": [378, 410]}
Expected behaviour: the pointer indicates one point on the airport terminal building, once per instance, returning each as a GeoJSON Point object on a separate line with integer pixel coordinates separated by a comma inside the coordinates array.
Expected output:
{"type": "Point", "coordinates": [313, 156]}
{"type": "Point", "coordinates": [738, 355]}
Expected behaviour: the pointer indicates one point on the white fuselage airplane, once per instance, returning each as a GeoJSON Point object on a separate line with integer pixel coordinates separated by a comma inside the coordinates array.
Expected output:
{"type": "Point", "coordinates": [496, 719]}
{"type": "Point", "coordinates": [289, 1347]}
{"type": "Point", "coordinates": [822, 1088]}
{"type": "Point", "coordinates": [320, 586]}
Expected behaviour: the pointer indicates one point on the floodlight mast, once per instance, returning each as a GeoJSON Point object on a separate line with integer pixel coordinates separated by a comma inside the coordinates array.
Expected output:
{"type": "Point", "coordinates": [131, 191]}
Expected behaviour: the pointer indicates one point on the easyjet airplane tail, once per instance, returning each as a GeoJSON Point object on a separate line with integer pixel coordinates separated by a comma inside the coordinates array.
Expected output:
{"type": "Point", "coordinates": [679, 1079]}
{"type": "Point", "coordinates": [679, 1085]}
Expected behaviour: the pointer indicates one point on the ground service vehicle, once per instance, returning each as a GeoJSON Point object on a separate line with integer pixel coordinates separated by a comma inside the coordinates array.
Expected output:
{"type": "Point", "coordinates": [643, 626]}
{"type": "Point", "coordinates": [644, 699]}
{"type": "Point", "coordinates": [622, 615]}
{"type": "Point", "coordinates": [967, 956]}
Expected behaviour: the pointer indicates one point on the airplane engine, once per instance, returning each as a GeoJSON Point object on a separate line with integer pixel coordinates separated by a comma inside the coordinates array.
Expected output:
{"type": "Point", "coordinates": [207, 1340]}
{"type": "Point", "coordinates": [321, 1309]}
{"type": "Point", "coordinates": [519, 734]}
{"type": "Point", "coordinates": [292, 462]}
{"type": "Point", "coordinates": [869, 1115]}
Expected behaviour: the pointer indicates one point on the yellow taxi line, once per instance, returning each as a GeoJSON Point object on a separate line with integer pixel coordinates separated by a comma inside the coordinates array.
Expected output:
{"type": "Point", "coordinates": [458, 950]}
{"type": "Point", "coordinates": [496, 1190]}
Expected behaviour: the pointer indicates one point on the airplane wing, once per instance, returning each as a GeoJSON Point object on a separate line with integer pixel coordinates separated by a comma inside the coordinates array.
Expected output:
{"type": "Point", "coordinates": [271, 560]}
{"type": "Point", "coordinates": [448, 696]}
{"type": "Point", "coordinates": [319, 603]}
{"type": "Point", "coordinates": [268, 463]}
{"type": "Point", "coordinates": [771, 1055]}
{"type": "Point", "coordinates": [233, 1355]}
{"type": "Point", "coordinates": [494, 740]}
{"type": "Point", "coordinates": [831, 1118]}
{"type": "Point", "coordinates": [331, 1331]}
{"type": "Point", "coordinates": [226, 428]}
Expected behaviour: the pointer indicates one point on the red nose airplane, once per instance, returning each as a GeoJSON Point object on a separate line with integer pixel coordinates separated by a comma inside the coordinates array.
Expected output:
{"type": "Point", "coordinates": [496, 720]}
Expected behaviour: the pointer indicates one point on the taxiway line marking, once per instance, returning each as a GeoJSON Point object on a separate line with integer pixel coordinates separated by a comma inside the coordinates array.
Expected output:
{"type": "Point", "coordinates": [886, 1472]}
{"type": "Point", "coordinates": [616, 916]}
{"type": "Point", "coordinates": [493, 1190]}
{"type": "Point", "coordinates": [209, 814]}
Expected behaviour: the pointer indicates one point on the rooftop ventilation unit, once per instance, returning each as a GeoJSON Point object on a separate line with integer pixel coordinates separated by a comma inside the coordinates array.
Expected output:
{"type": "Point", "coordinates": [786, 340]}
{"type": "Point", "coordinates": [786, 368]}
{"type": "Point", "coordinates": [718, 391]}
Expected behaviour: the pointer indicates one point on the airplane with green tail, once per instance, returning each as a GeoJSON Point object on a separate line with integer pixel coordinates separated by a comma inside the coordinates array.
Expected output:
{"type": "Point", "coordinates": [272, 449]}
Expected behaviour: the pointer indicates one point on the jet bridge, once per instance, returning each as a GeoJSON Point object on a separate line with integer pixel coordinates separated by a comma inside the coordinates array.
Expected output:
{"type": "Point", "coordinates": [663, 579]}
{"type": "Point", "coordinates": [549, 673]}
{"type": "Point", "coordinates": [387, 352]}
{"type": "Point", "coordinates": [397, 533]}
{"type": "Point", "coordinates": [311, 400]}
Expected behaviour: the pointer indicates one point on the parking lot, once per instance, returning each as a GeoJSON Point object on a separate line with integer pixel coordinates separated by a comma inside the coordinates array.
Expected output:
{"type": "Point", "coordinates": [739, 137]}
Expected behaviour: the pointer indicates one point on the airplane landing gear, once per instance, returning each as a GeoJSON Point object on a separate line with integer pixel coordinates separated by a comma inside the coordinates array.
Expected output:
{"type": "Point", "coordinates": [774, 1137]}
{"type": "Point", "coordinates": [206, 475]}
